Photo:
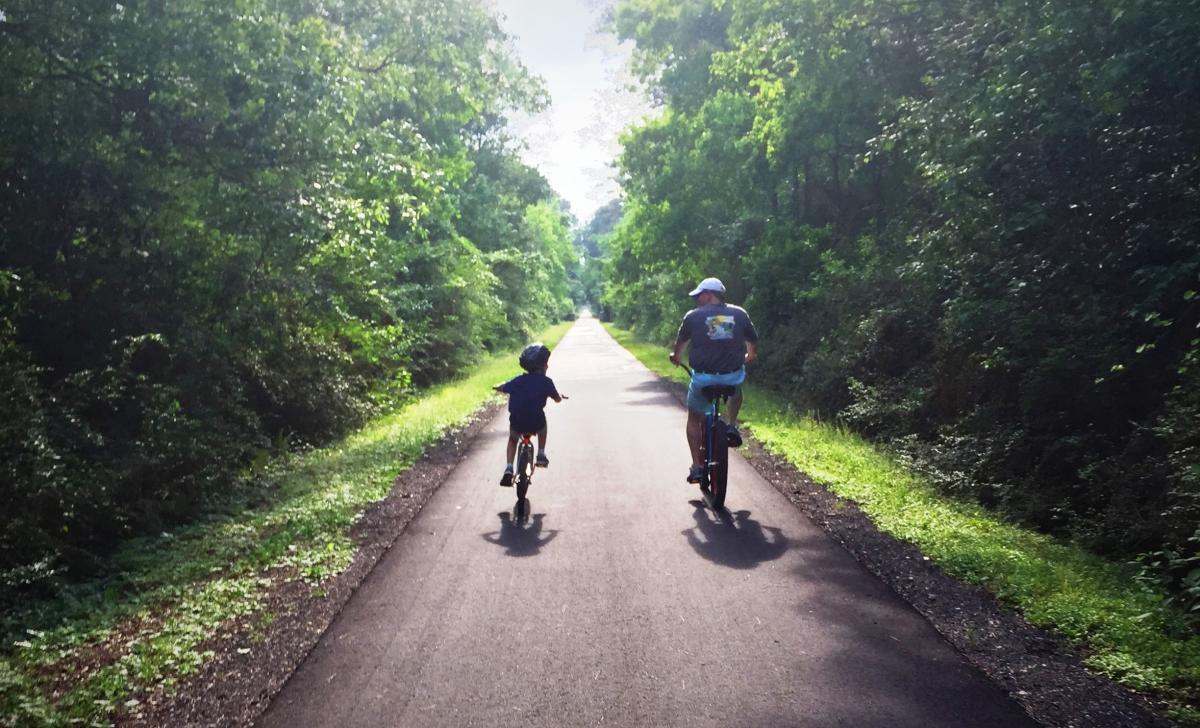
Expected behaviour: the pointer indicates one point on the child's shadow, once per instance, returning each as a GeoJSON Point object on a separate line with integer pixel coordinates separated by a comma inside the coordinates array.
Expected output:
{"type": "Point", "coordinates": [521, 535]}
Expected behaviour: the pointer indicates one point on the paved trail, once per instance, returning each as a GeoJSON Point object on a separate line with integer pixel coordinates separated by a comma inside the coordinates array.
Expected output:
{"type": "Point", "coordinates": [621, 601]}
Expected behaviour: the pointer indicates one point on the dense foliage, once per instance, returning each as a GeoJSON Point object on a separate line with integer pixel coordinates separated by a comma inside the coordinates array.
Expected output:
{"type": "Point", "coordinates": [968, 228]}
{"type": "Point", "coordinates": [227, 227]}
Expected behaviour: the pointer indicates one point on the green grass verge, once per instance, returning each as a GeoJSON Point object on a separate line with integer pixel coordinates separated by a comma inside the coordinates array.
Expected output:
{"type": "Point", "coordinates": [1123, 627]}
{"type": "Point", "coordinates": [170, 594]}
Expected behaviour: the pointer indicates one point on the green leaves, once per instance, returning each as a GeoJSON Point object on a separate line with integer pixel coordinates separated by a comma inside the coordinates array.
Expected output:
{"type": "Point", "coordinates": [968, 229]}
{"type": "Point", "coordinates": [272, 207]}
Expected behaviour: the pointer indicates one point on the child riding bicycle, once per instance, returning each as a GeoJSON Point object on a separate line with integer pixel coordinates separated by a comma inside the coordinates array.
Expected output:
{"type": "Point", "coordinates": [527, 395]}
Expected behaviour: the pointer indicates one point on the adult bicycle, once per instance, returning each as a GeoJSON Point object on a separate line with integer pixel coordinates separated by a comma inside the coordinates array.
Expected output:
{"type": "Point", "coordinates": [714, 444]}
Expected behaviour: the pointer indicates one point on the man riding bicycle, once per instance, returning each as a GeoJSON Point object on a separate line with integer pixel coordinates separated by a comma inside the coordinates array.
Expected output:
{"type": "Point", "coordinates": [722, 341]}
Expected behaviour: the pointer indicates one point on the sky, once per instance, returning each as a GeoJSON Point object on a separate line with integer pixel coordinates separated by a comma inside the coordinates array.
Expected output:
{"type": "Point", "coordinates": [586, 71]}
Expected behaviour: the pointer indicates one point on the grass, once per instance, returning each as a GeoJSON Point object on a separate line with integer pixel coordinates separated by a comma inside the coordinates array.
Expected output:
{"type": "Point", "coordinates": [144, 626]}
{"type": "Point", "coordinates": [1123, 627]}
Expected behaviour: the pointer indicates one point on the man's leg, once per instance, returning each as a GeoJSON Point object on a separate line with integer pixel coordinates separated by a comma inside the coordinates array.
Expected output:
{"type": "Point", "coordinates": [735, 404]}
{"type": "Point", "coordinates": [695, 426]}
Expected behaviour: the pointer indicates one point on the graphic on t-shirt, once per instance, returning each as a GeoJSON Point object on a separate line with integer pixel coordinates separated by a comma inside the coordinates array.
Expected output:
{"type": "Point", "coordinates": [720, 328]}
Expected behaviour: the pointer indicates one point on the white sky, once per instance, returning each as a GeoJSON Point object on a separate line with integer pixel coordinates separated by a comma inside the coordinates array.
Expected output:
{"type": "Point", "coordinates": [574, 142]}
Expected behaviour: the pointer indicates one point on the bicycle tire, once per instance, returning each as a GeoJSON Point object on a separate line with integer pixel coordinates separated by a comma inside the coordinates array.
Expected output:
{"type": "Point", "coordinates": [718, 467]}
{"type": "Point", "coordinates": [524, 471]}
{"type": "Point", "coordinates": [705, 489]}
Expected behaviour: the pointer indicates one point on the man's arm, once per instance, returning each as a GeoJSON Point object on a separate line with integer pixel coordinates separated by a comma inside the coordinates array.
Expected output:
{"type": "Point", "coordinates": [674, 355]}
{"type": "Point", "coordinates": [751, 351]}
{"type": "Point", "coordinates": [681, 339]}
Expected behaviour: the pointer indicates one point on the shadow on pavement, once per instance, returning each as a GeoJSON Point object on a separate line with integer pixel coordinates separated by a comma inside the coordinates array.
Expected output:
{"type": "Point", "coordinates": [649, 385]}
{"type": "Point", "coordinates": [655, 400]}
{"type": "Point", "coordinates": [875, 648]}
{"type": "Point", "coordinates": [654, 394]}
{"type": "Point", "coordinates": [521, 534]}
{"type": "Point", "coordinates": [733, 539]}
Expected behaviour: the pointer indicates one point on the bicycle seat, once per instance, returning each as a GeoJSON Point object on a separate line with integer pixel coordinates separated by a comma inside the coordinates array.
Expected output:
{"type": "Point", "coordinates": [718, 390]}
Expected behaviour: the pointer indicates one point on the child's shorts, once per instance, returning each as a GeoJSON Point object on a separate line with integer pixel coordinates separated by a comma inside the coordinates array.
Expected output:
{"type": "Point", "coordinates": [526, 423]}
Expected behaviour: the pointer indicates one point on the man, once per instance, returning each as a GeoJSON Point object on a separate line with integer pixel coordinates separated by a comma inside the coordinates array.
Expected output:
{"type": "Point", "coordinates": [722, 342]}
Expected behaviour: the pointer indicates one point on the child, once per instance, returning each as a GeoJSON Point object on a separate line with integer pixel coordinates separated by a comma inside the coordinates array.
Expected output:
{"type": "Point", "coordinates": [527, 396]}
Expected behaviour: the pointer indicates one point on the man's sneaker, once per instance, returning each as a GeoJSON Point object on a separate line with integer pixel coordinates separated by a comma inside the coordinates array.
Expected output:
{"type": "Point", "coordinates": [733, 437]}
{"type": "Point", "coordinates": [542, 461]}
{"type": "Point", "coordinates": [506, 479]}
{"type": "Point", "coordinates": [695, 474]}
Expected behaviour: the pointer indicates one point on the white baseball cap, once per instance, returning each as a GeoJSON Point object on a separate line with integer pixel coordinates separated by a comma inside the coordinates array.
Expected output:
{"type": "Point", "coordinates": [709, 284]}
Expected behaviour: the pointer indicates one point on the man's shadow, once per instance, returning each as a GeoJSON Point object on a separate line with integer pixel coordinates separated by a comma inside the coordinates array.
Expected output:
{"type": "Point", "coordinates": [733, 539]}
{"type": "Point", "coordinates": [521, 534]}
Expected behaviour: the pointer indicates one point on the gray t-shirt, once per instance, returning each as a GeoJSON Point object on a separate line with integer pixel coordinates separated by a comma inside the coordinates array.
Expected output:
{"type": "Point", "coordinates": [718, 334]}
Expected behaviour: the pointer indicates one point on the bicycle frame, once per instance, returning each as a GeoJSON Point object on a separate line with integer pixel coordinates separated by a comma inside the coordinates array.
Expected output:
{"type": "Point", "coordinates": [716, 451]}
{"type": "Point", "coordinates": [524, 466]}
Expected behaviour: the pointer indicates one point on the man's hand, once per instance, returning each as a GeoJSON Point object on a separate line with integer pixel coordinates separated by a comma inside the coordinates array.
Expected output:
{"type": "Point", "coordinates": [674, 358]}
{"type": "Point", "coordinates": [751, 352]}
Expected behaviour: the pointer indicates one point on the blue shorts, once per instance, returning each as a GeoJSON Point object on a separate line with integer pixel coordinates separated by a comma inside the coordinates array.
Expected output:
{"type": "Point", "coordinates": [697, 402]}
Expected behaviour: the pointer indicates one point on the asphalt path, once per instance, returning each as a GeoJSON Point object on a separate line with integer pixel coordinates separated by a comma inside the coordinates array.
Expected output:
{"type": "Point", "coordinates": [620, 600]}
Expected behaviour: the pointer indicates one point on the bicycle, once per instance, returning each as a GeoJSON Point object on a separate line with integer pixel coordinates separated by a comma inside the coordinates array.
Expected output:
{"type": "Point", "coordinates": [523, 472]}
{"type": "Point", "coordinates": [714, 445]}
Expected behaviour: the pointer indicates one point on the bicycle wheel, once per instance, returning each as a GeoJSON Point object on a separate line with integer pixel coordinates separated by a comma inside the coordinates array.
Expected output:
{"type": "Point", "coordinates": [718, 466]}
{"type": "Point", "coordinates": [524, 470]}
{"type": "Point", "coordinates": [705, 477]}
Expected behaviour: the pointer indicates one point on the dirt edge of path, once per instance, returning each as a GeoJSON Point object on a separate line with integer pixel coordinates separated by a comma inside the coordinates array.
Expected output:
{"type": "Point", "coordinates": [1042, 672]}
{"type": "Point", "coordinates": [253, 658]}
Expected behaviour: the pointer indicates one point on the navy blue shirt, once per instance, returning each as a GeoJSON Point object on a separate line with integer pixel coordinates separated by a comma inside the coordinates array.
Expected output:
{"type": "Point", "coordinates": [718, 333]}
{"type": "Point", "coordinates": [527, 395]}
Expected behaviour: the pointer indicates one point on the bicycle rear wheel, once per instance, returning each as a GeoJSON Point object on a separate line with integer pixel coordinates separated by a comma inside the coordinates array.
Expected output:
{"type": "Point", "coordinates": [718, 466]}
{"type": "Point", "coordinates": [524, 470]}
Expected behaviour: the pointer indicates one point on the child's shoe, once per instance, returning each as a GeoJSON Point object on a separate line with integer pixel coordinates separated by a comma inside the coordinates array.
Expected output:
{"type": "Point", "coordinates": [542, 461]}
{"type": "Point", "coordinates": [506, 479]}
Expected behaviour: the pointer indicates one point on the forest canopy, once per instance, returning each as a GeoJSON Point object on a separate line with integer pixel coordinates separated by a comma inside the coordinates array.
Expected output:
{"type": "Point", "coordinates": [965, 228]}
{"type": "Point", "coordinates": [231, 228]}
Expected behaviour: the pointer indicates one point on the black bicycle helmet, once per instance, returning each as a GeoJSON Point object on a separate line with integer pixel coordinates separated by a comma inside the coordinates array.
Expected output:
{"type": "Point", "coordinates": [535, 357]}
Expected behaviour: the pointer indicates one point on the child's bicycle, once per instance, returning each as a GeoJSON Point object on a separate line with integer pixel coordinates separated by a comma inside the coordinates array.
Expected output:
{"type": "Point", "coordinates": [523, 470]}
{"type": "Point", "coordinates": [714, 447]}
